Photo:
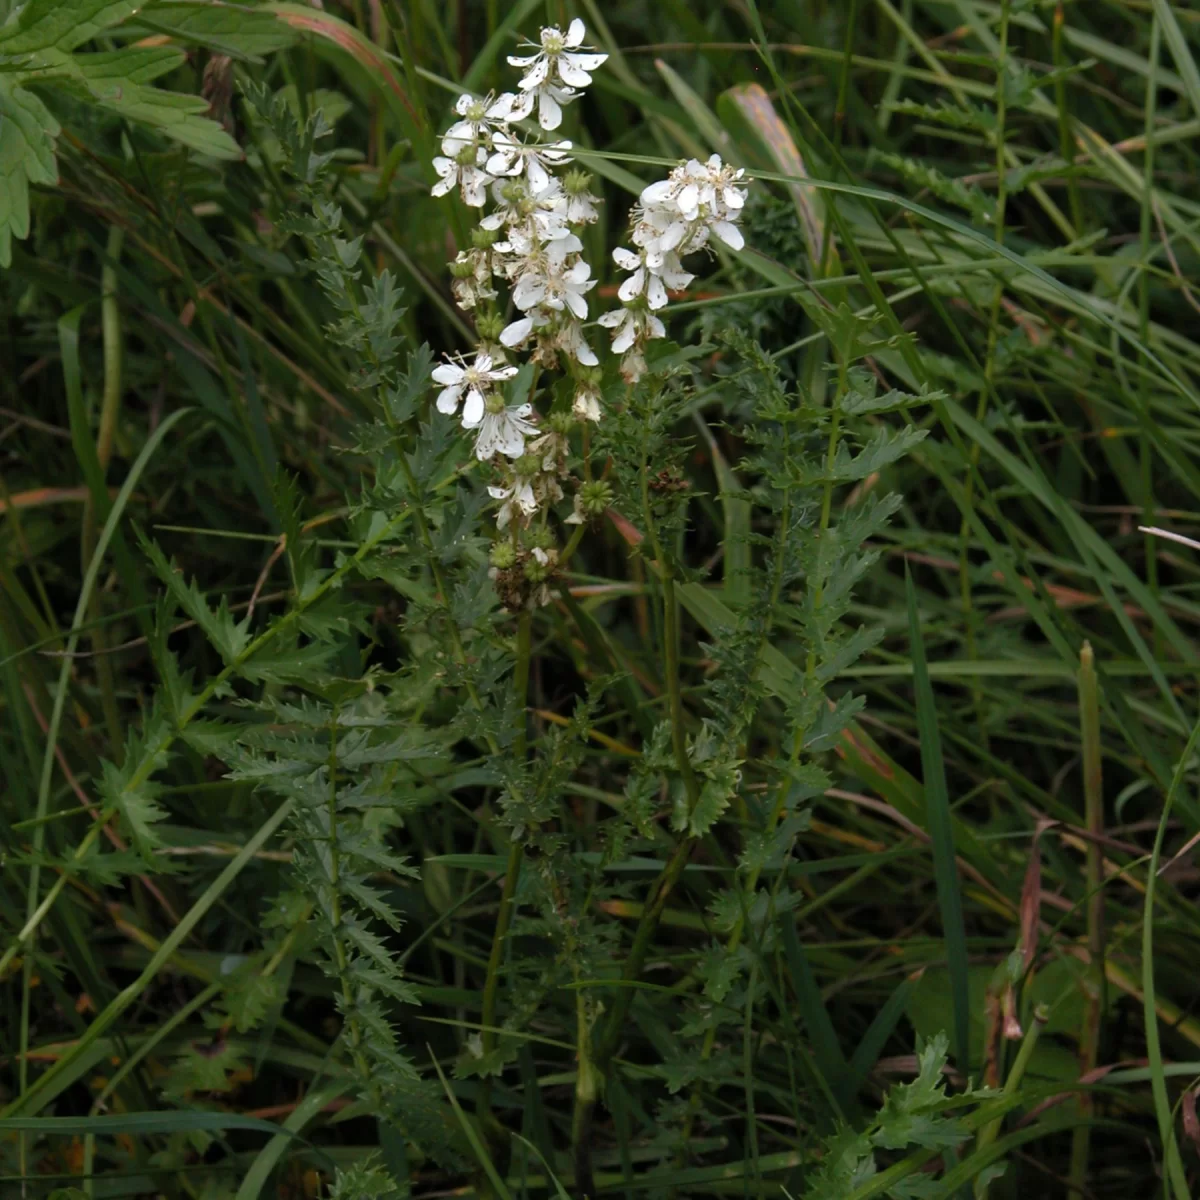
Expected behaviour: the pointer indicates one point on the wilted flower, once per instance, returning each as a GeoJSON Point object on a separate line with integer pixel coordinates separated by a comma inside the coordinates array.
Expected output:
{"type": "Point", "coordinates": [501, 429]}
{"type": "Point", "coordinates": [466, 172]}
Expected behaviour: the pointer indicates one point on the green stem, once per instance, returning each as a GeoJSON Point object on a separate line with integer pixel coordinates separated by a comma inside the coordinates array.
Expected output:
{"type": "Point", "coordinates": [989, 371]}
{"type": "Point", "coordinates": [512, 872]}
{"type": "Point", "coordinates": [1096, 985]}
{"type": "Point", "coordinates": [988, 1134]}
{"type": "Point", "coordinates": [110, 407]}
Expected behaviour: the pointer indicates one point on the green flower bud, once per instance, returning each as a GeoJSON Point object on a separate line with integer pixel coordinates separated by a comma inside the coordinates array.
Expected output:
{"type": "Point", "coordinates": [493, 403]}
{"type": "Point", "coordinates": [560, 422]}
{"type": "Point", "coordinates": [576, 182]}
{"type": "Point", "coordinates": [484, 239]}
{"type": "Point", "coordinates": [528, 465]}
{"type": "Point", "coordinates": [535, 571]}
{"type": "Point", "coordinates": [541, 537]}
{"type": "Point", "coordinates": [466, 156]}
{"type": "Point", "coordinates": [502, 555]}
{"type": "Point", "coordinates": [595, 497]}
{"type": "Point", "coordinates": [489, 326]}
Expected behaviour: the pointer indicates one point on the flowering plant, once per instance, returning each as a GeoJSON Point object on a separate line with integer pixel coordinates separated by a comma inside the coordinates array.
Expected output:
{"type": "Point", "coordinates": [529, 243]}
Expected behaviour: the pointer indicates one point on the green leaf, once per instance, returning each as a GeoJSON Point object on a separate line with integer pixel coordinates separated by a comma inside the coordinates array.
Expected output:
{"type": "Point", "coordinates": [941, 831]}
{"type": "Point", "coordinates": [235, 30]}
{"type": "Point", "coordinates": [27, 133]}
{"type": "Point", "coordinates": [62, 24]}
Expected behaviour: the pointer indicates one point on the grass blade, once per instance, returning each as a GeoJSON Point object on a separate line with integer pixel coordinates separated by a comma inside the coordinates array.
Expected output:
{"type": "Point", "coordinates": [941, 830]}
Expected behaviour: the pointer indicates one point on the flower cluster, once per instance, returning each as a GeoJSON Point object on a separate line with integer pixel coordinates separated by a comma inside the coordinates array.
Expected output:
{"type": "Point", "coordinates": [527, 246]}
{"type": "Point", "coordinates": [525, 282]}
{"type": "Point", "coordinates": [674, 217]}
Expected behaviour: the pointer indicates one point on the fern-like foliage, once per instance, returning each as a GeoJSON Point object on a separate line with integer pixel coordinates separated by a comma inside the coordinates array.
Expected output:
{"type": "Point", "coordinates": [41, 56]}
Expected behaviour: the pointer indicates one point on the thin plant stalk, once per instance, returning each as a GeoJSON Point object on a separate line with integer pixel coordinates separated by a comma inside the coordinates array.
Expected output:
{"type": "Point", "coordinates": [989, 369]}
{"type": "Point", "coordinates": [512, 870]}
{"type": "Point", "coordinates": [1096, 983]}
{"type": "Point", "coordinates": [989, 1133]}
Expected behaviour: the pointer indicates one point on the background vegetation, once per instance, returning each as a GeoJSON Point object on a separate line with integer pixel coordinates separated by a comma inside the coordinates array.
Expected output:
{"type": "Point", "coordinates": [258, 694]}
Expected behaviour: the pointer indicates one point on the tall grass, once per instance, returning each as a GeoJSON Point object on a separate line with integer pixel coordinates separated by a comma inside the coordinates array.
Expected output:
{"type": "Point", "coordinates": [239, 554]}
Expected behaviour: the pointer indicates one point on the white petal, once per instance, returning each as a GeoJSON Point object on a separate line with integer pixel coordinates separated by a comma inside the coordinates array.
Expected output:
{"type": "Point", "coordinates": [517, 60]}
{"type": "Point", "coordinates": [474, 190]}
{"type": "Point", "coordinates": [511, 440]}
{"type": "Point", "coordinates": [632, 286]}
{"type": "Point", "coordinates": [447, 374]}
{"type": "Point", "coordinates": [497, 493]}
{"type": "Point", "coordinates": [503, 373]}
{"type": "Point", "coordinates": [576, 303]}
{"type": "Point", "coordinates": [729, 233]}
{"type": "Point", "coordinates": [530, 290]}
{"type": "Point", "coordinates": [655, 328]}
{"type": "Point", "coordinates": [583, 62]}
{"type": "Point", "coordinates": [571, 74]}
{"type": "Point", "coordinates": [578, 275]}
{"type": "Point", "coordinates": [536, 174]}
{"type": "Point", "coordinates": [624, 339]}
{"type": "Point", "coordinates": [656, 193]}
{"type": "Point", "coordinates": [447, 402]}
{"type": "Point", "coordinates": [585, 354]}
{"type": "Point", "coordinates": [575, 32]}
{"type": "Point", "coordinates": [612, 318]}
{"type": "Point", "coordinates": [626, 259]}
{"type": "Point", "coordinates": [485, 446]}
{"type": "Point", "coordinates": [549, 113]}
{"type": "Point", "coordinates": [676, 279]}
{"type": "Point", "coordinates": [656, 294]}
{"type": "Point", "coordinates": [473, 409]}
{"type": "Point", "coordinates": [733, 197]}
{"type": "Point", "coordinates": [514, 334]}
{"type": "Point", "coordinates": [688, 201]}
{"type": "Point", "coordinates": [672, 236]}
{"type": "Point", "coordinates": [536, 75]}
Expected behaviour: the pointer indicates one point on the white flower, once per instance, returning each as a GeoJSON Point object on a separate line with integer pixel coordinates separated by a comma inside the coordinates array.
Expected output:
{"type": "Point", "coordinates": [586, 405]}
{"type": "Point", "coordinates": [517, 333]}
{"type": "Point", "coordinates": [472, 277]}
{"type": "Point", "coordinates": [475, 128]}
{"type": "Point", "coordinates": [560, 65]}
{"type": "Point", "coordinates": [694, 201]}
{"type": "Point", "coordinates": [476, 380]}
{"type": "Point", "coordinates": [632, 329]}
{"type": "Point", "coordinates": [652, 275]}
{"type": "Point", "coordinates": [465, 170]}
{"type": "Point", "coordinates": [533, 159]}
{"type": "Point", "coordinates": [570, 340]}
{"type": "Point", "coordinates": [501, 429]}
{"type": "Point", "coordinates": [554, 449]}
{"type": "Point", "coordinates": [555, 286]}
{"type": "Point", "coordinates": [581, 208]}
{"type": "Point", "coordinates": [519, 501]}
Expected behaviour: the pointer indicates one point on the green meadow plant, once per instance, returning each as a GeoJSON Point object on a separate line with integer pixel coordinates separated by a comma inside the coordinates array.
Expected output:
{"type": "Point", "coordinates": [609, 664]}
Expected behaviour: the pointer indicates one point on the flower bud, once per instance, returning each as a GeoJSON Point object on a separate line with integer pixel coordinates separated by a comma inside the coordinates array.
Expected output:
{"type": "Point", "coordinates": [575, 183]}
{"type": "Point", "coordinates": [560, 422]}
{"type": "Point", "coordinates": [535, 571]}
{"type": "Point", "coordinates": [502, 555]}
{"type": "Point", "coordinates": [484, 239]}
{"type": "Point", "coordinates": [595, 497]}
{"type": "Point", "coordinates": [528, 465]}
{"type": "Point", "coordinates": [489, 326]}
